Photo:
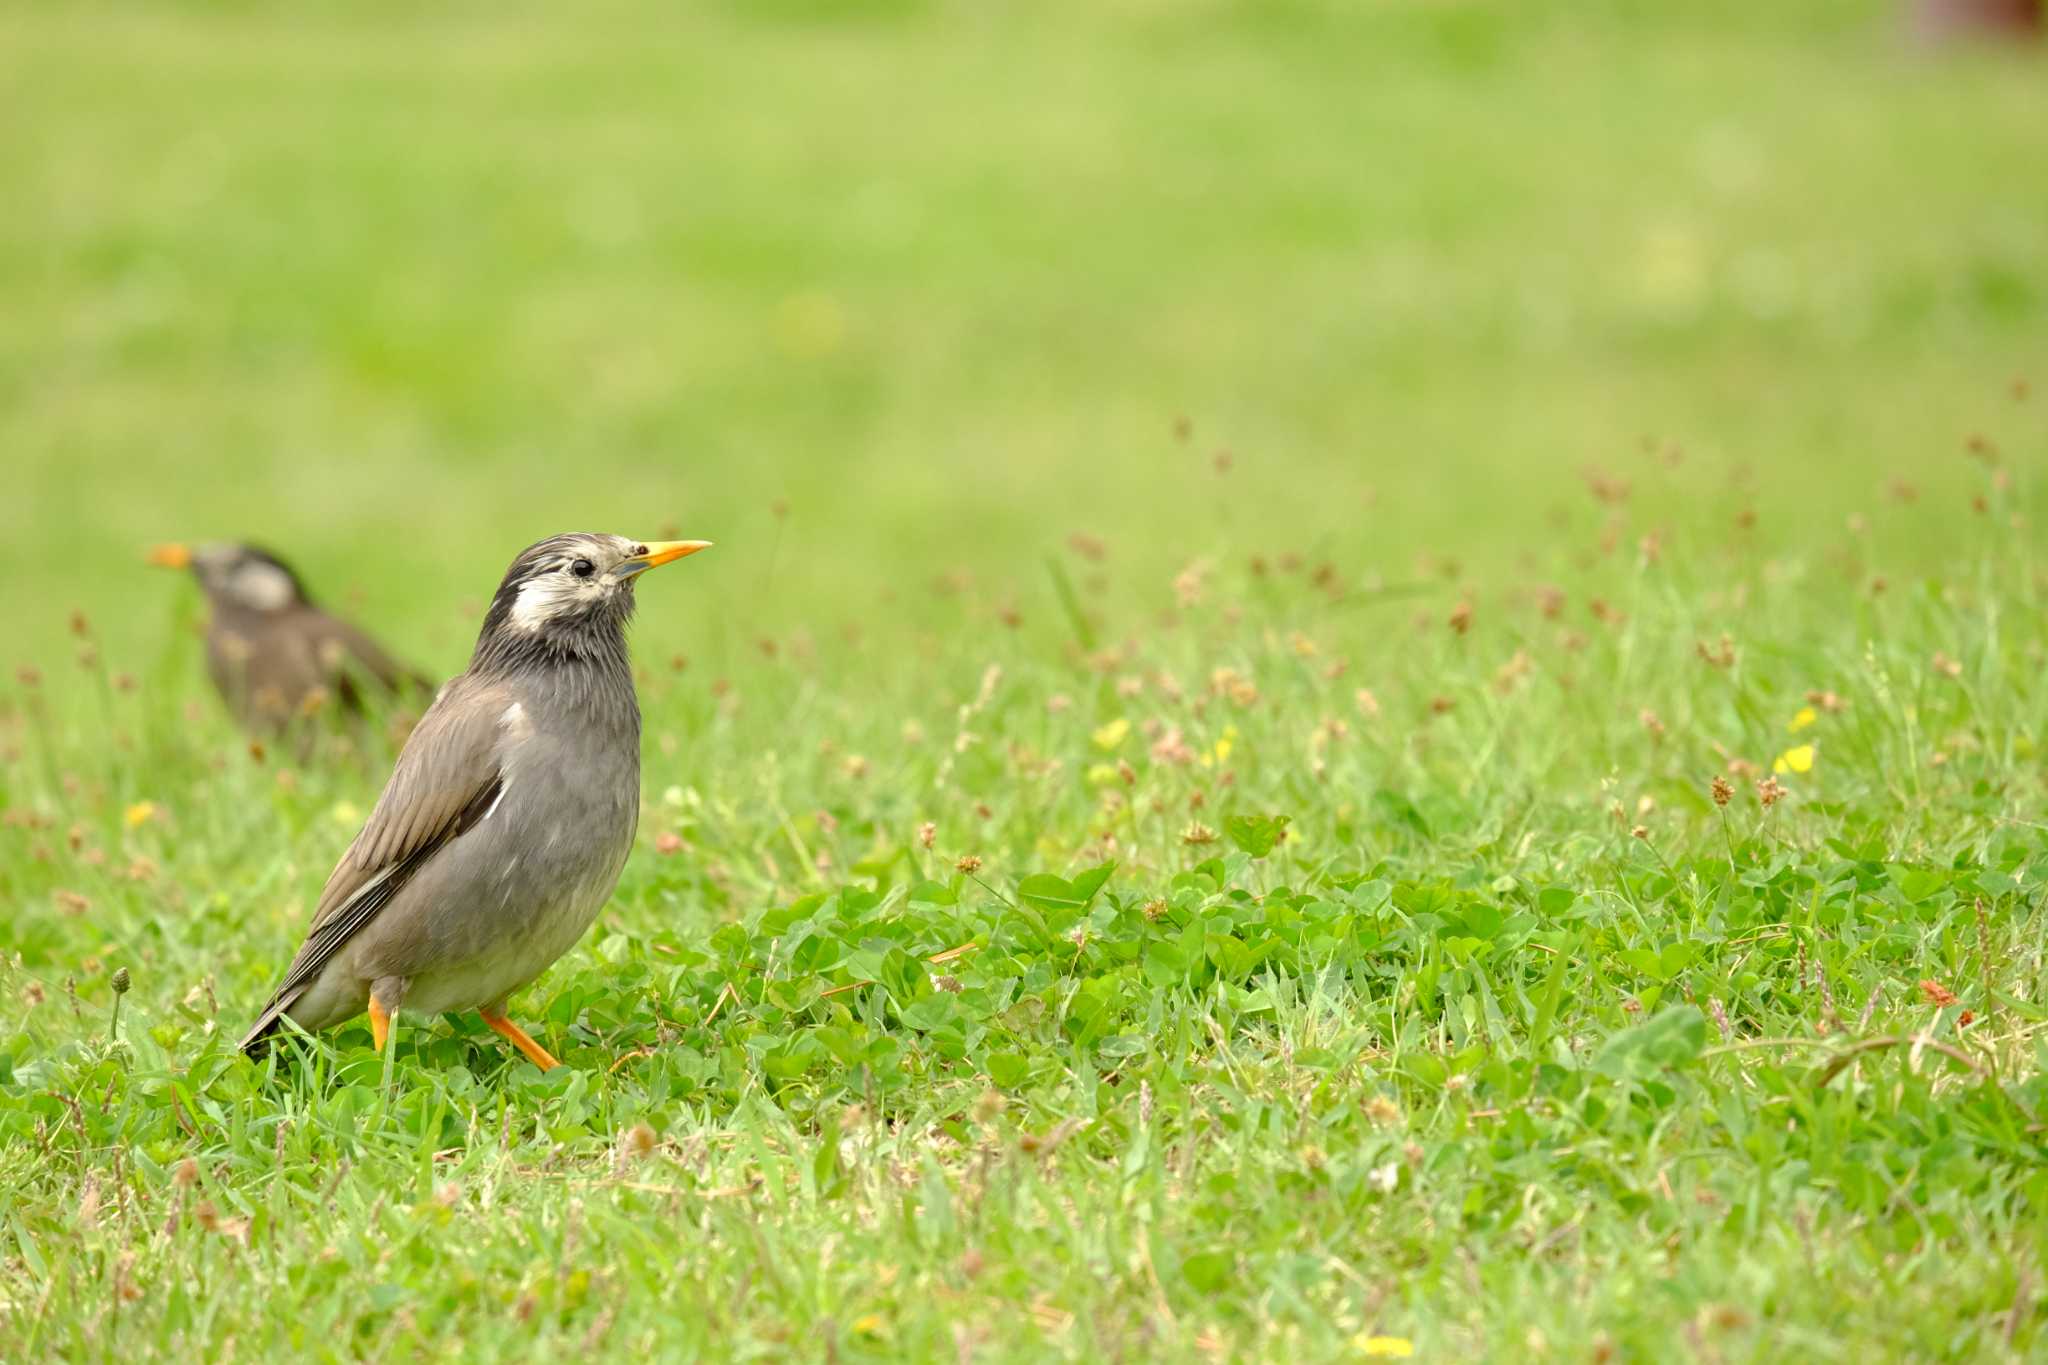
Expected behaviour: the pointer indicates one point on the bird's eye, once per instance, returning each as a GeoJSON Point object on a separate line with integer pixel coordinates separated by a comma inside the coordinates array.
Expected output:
{"type": "Point", "coordinates": [583, 568]}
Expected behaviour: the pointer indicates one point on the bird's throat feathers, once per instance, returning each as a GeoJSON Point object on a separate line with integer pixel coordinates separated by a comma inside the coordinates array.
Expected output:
{"type": "Point", "coordinates": [550, 619]}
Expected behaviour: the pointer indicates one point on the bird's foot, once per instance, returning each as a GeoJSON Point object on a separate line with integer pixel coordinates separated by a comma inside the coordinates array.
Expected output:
{"type": "Point", "coordinates": [516, 1035]}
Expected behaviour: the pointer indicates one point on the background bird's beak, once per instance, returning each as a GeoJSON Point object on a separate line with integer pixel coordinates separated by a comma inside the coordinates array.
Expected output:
{"type": "Point", "coordinates": [657, 553]}
{"type": "Point", "coordinates": [170, 556]}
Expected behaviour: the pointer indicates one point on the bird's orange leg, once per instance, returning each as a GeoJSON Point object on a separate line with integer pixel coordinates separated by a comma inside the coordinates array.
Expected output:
{"type": "Point", "coordinates": [380, 1023]}
{"type": "Point", "coordinates": [516, 1035]}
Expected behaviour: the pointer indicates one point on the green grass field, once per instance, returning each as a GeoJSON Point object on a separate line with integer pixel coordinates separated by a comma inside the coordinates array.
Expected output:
{"type": "Point", "coordinates": [1183, 816]}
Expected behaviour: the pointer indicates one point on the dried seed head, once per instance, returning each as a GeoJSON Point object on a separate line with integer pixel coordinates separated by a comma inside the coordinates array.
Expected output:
{"type": "Point", "coordinates": [1607, 489]}
{"type": "Point", "coordinates": [1197, 834]}
{"type": "Point", "coordinates": [1153, 909]}
{"type": "Point", "coordinates": [1173, 748]}
{"type": "Point", "coordinates": [1510, 674]}
{"type": "Point", "coordinates": [1383, 1110]}
{"type": "Point", "coordinates": [1936, 994]}
{"type": "Point", "coordinates": [1770, 792]}
{"type": "Point", "coordinates": [1721, 790]}
{"type": "Point", "coordinates": [968, 863]}
{"type": "Point", "coordinates": [185, 1174]}
{"type": "Point", "coordinates": [668, 843]}
{"type": "Point", "coordinates": [638, 1141]}
{"type": "Point", "coordinates": [1460, 619]}
{"type": "Point", "coordinates": [927, 832]}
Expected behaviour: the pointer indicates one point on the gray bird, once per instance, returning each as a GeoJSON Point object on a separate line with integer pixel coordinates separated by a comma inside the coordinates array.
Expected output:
{"type": "Point", "coordinates": [507, 817]}
{"type": "Point", "coordinates": [274, 656]}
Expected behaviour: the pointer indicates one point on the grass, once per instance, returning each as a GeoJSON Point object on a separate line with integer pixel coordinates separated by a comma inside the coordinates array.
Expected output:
{"type": "Point", "coordinates": [1180, 817]}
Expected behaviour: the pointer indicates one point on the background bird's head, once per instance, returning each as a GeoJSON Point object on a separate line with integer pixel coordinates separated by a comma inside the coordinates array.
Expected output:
{"type": "Point", "coordinates": [243, 576]}
{"type": "Point", "coordinates": [571, 595]}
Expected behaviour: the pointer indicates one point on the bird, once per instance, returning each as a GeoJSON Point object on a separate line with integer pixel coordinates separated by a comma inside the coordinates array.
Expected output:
{"type": "Point", "coordinates": [507, 817]}
{"type": "Point", "coordinates": [275, 657]}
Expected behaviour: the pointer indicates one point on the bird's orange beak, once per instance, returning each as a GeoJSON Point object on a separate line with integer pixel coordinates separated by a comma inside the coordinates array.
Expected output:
{"type": "Point", "coordinates": [658, 553]}
{"type": "Point", "coordinates": [170, 556]}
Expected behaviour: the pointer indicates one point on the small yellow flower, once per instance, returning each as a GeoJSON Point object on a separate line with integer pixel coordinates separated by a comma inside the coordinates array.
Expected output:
{"type": "Point", "coordinates": [1111, 735]}
{"type": "Point", "coordinates": [1388, 1348]}
{"type": "Point", "coordinates": [1219, 752]}
{"type": "Point", "coordinates": [345, 813]}
{"type": "Point", "coordinates": [141, 813]}
{"type": "Point", "coordinates": [1806, 716]}
{"type": "Point", "coordinates": [1797, 759]}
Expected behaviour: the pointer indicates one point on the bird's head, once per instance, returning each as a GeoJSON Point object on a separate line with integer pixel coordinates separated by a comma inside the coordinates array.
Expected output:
{"type": "Point", "coordinates": [242, 576]}
{"type": "Point", "coordinates": [571, 595]}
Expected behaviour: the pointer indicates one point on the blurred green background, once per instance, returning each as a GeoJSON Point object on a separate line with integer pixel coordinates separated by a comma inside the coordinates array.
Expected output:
{"type": "Point", "coordinates": [870, 292]}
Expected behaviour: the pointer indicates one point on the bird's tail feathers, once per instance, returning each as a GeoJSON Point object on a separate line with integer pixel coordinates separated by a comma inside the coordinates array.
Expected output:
{"type": "Point", "coordinates": [267, 1022]}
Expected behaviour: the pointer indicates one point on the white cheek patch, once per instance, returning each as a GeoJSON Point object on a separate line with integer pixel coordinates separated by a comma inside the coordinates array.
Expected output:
{"type": "Point", "coordinates": [262, 587]}
{"type": "Point", "coordinates": [542, 599]}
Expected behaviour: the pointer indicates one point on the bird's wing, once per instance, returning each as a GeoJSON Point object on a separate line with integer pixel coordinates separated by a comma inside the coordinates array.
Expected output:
{"type": "Point", "coordinates": [447, 778]}
{"type": "Point", "coordinates": [345, 649]}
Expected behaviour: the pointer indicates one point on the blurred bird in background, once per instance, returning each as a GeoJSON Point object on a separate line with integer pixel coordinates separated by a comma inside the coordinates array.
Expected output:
{"type": "Point", "coordinates": [276, 658]}
{"type": "Point", "coordinates": [1950, 20]}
